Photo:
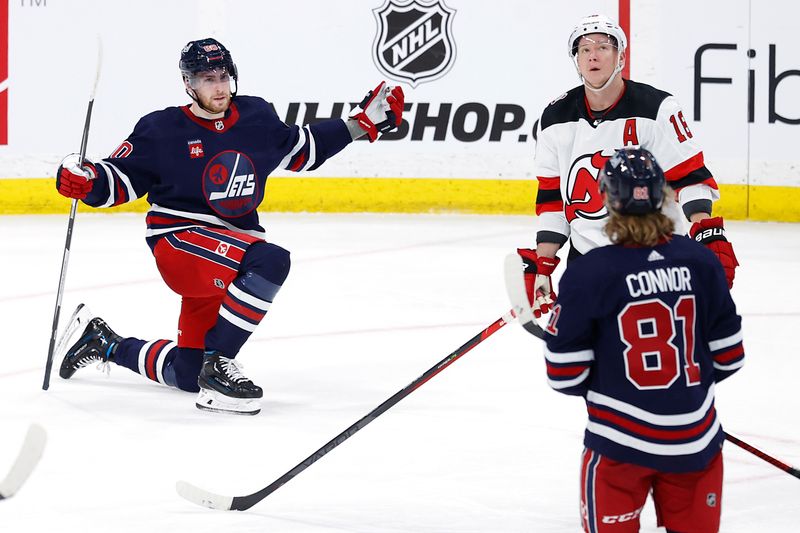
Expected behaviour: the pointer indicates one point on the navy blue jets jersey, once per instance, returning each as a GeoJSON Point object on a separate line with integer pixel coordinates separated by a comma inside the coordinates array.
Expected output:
{"type": "Point", "coordinates": [644, 334]}
{"type": "Point", "coordinates": [199, 172]}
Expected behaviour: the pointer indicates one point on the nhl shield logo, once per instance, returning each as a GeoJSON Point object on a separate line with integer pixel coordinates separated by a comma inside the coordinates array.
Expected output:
{"type": "Point", "coordinates": [414, 40]}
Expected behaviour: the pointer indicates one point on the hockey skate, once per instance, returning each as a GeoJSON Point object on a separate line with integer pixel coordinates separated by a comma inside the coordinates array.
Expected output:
{"type": "Point", "coordinates": [97, 343]}
{"type": "Point", "coordinates": [224, 389]}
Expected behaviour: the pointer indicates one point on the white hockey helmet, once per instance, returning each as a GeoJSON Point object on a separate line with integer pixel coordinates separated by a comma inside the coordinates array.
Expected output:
{"type": "Point", "coordinates": [596, 24]}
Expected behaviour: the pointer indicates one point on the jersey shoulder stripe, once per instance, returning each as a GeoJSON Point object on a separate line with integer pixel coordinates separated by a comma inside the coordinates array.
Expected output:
{"type": "Point", "coordinates": [641, 101]}
{"type": "Point", "coordinates": [563, 109]}
{"type": "Point", "coordinates": [638, 101]}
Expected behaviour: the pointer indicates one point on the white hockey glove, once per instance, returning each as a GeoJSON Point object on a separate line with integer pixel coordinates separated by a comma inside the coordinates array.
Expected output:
{"type": "Point", "coordinates": [380, 111]}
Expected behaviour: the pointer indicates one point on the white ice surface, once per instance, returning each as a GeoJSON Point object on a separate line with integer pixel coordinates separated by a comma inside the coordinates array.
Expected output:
{"type": "Point", "coordinates": [371, 303]}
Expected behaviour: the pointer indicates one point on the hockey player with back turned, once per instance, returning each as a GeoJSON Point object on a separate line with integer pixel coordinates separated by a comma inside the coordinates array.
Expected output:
{"type": "Point", "coordinates": [204, 167]}
{"type": "Point", "coordinates": [577, 134]}
{"type": "Point", "coordinates": [643, 329]}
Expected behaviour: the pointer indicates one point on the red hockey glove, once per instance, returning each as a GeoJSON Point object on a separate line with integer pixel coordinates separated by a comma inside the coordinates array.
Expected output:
{"type": "Point", "coordinates": [711, 233]}
{"type": "Point", "coordinates": [538, 284]}
{"type": "Point", "coordinates": [74, 181]}
{"type": "Point", "coordinates": [380, 111]}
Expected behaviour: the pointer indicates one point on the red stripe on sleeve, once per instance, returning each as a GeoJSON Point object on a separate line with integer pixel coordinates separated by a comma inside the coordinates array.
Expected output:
{"type": "Point", "coordinates": [565, 371]}
{"type": "Point", "coordinates": [681, 170]}
{"type": "Point", "coordinates": [299, 162]}
{"type": "Point", "coordinates": [555, 206]}
{"type": "Point", "coordinates": [549, 183]}
{"type": "Point", "coordinates": [730, 355]}
{"type": "Point", "coordinates": [122, 194]}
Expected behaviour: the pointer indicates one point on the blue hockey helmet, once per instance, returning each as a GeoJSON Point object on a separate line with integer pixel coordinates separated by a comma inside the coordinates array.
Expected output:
{"type": "Point", "coordinates": [633, 182]}
{"type": "Point", "coordinates": [204, 55]}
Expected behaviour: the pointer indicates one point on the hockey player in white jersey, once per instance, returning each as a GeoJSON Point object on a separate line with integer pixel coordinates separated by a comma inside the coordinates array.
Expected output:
{"type": "Point", "coordinates": [580, 130]}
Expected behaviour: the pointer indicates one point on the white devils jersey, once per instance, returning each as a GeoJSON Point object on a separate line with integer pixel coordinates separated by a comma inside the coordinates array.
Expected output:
{"type": "Point", "coordinates": [573, 145]}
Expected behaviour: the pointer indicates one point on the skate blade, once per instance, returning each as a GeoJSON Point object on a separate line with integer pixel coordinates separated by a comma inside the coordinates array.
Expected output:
{"type": "Point", "coordinates": [215, 402]}
{"type": "Point", "coordinates": [76, 324]}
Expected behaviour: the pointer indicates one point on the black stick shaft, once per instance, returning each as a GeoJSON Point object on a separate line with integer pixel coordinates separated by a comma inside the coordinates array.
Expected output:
{"type": "Point", "coordinates": [241, 503]}
{"type": "Point", "coordinates": [65, 257]}
{"type": "Point", "coordinates": [761, 455]}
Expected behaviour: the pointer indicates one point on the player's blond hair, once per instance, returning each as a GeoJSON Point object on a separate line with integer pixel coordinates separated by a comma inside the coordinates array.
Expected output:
{"type": "Point", "coordinates": [641, 230]}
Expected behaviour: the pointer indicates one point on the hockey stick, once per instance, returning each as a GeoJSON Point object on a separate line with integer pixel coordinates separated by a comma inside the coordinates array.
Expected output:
{"type": "Point", "coordinates": [515, 286]}
{"type": "Point", "coordinates": [241, 503]}
{"type": "Point", "coordinates": [72, 212]}
{"type": "Point", "coordinates": [28, 458]}
{"type": "Point", "coordinates": [761, 455]}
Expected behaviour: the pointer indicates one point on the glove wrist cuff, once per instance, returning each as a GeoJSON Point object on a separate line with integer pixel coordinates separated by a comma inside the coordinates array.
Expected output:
{"type": "Point", "coordinates": [366, 124]}
{"type": "Point", "coordinates": [546, 265]}
{"type": "Point", "coordinates": [708, 230]}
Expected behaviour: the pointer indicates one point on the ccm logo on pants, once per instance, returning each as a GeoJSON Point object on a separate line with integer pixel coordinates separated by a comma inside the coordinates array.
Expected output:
{"type": "Point", "coordinates": [616, 519]}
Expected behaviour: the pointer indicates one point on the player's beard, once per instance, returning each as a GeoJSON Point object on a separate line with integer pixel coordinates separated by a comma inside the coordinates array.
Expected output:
{"type": "Point", "coordinates": [215, 104]}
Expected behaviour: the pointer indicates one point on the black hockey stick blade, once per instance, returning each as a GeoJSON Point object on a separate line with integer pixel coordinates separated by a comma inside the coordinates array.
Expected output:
{"type": "Point", "coordinates": [212, 500]}
{"type": "Point", "coordinates": [28, 458]}
{"type": "Point", "coordinates": [515, 287]}
{"type": "Point", "coordinates": [792, 471]}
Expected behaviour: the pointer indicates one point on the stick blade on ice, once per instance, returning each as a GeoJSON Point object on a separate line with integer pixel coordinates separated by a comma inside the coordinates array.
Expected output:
{"type": "Point", "coordinates": [28, 458]}
{"type": "Point", "coordinates": [202, 497]}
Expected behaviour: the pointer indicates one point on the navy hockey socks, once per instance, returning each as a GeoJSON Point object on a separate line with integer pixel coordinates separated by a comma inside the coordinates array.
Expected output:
{"type": "Point", "coordinates": [147, 358]}
{"type": "Point", "coordinates": [247, 302]}
{"type": "Point", "coordinates": [161, 361]}
{"type": "Point", "coordinates": [264, 268]}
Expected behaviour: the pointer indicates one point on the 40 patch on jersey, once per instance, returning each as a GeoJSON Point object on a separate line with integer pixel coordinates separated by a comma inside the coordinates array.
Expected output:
{"type": "Point", "coordinates": [230, 184]}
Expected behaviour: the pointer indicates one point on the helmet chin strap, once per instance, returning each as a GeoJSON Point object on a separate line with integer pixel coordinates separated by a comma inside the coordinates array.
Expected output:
{"type": "Point", "coordinates": [610, 79]}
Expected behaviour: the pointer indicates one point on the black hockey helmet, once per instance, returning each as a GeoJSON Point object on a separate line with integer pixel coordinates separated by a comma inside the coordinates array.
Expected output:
{"type": "Point", "coordinates": [204, 55]}
{"type": "Point", "coordinates": [633, 182]}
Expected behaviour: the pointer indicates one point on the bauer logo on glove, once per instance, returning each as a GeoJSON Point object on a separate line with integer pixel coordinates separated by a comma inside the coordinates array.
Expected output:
{"type": "Point", "coordinates": [711, 233]}
{"type": "Point", "coordinates": [380, 111]}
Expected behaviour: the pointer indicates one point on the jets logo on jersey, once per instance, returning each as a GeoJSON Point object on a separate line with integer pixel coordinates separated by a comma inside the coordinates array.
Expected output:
{"type": "Point", "coordinates": [230, 184]}
{"type": "Point", "coordinates": [583, 198]}
{"type": "Point", "coordinates": [414, 42]}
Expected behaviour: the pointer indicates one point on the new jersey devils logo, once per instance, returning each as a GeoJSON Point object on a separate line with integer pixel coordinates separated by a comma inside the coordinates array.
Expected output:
{"type": "Point", "coordinates": [583, 190]}
{"type": "Point", "coordinates": [230, 184]}
{"type": "Point", "coordinates": [414, 41]}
